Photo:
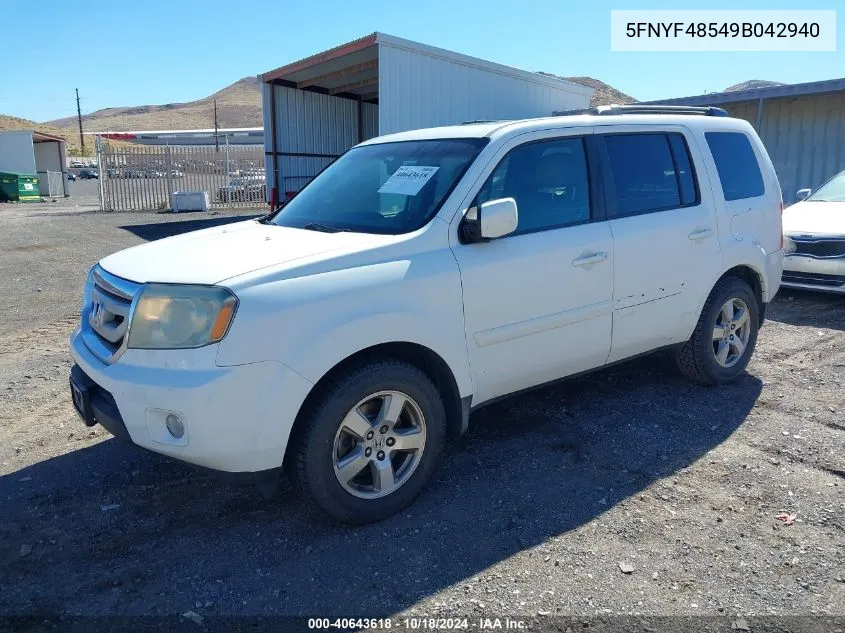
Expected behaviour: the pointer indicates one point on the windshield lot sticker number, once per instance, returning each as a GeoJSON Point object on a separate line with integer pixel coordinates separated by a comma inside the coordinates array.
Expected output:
{"type": "Point", "coordinates": [408, 180]}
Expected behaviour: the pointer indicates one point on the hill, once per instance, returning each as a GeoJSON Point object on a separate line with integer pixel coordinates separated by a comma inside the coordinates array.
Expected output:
{"type": "Point", "coordinates": [238, 105]}
{"type": "Point", "coordinates": [69, 134]}
{"type": "Point", "coordinates": [752, 84]}
{"type": "Point", "coordinates": [603, 94]}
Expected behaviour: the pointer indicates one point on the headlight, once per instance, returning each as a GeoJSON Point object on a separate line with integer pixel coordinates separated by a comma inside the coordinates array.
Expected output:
{"type": "Point", "coordinates": [789, 245]}
{"type": "Point", "coordinates": [88, 288]}
{"type": "Point", "coordinates": [178, 317]}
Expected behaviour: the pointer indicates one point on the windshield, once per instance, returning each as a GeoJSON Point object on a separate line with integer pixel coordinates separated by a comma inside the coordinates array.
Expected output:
{"type": "Point", "coordinates": [831, 191]}
{"type": "Point", "coordinates": [386, 188]}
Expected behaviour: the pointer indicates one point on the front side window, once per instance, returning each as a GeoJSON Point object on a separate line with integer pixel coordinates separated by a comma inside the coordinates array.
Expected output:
{"type": "Point", "coordinates": [388, 188]}
{"type": "Point", "coordinates": [549, 182]}
{"type": "Point", "coordinates": [737, 165]}
{"type": "Point", "coordinates": [831, 191]}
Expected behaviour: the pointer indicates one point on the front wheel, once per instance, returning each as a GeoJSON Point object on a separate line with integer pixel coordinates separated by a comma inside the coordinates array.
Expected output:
{"type": "Point", "coordinates": [724, 338]}
{"type": "Point", "coordinates": [370, 442]}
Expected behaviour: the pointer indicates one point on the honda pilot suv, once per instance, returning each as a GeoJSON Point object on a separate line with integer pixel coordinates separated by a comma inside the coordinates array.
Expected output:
{"type": "Point", "coordinates": [344, 338]}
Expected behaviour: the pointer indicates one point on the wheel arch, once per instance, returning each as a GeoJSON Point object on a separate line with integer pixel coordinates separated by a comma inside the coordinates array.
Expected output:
{"type": "Point", "coordinates": [422, 357]}
{"type": "Point", "coordinates": [751, 276]}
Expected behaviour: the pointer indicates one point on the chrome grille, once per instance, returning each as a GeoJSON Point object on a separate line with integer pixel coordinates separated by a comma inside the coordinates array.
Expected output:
{"type": "Point", "coordinates": [819, 248]}
{"type": "Point", "coordinates": [106, 314]}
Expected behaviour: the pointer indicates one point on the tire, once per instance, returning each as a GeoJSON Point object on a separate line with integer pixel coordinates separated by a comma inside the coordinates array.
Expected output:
{"type": "Point", "coordinates": [316, 460]}
{"type": "Point", "coordinates": [702, 358]}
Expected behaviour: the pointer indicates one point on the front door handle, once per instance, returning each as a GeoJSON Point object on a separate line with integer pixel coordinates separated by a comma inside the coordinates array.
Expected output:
{"type": "Point", "coordinates": [701, 234]}
{"type": "Point", "coordinates": [586, 260]}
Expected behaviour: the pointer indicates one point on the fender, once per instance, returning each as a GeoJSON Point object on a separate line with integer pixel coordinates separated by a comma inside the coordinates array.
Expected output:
{"type": "Point", "coordinates": [312, 322]}
{"type": "Point", "coordinates": [745, 253]}
{"type": "Point", "coordinates": [319, 356]}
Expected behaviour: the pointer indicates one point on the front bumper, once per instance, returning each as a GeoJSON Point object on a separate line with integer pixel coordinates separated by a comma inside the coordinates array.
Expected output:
{"type": "Point", "coordinates": [236, 418]}
{"type": "Point", "coordinates": [814, 273]}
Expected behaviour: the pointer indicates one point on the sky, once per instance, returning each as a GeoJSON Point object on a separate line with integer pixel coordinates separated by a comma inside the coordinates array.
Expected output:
{"type": "Point", "coordinates": [165, 51]}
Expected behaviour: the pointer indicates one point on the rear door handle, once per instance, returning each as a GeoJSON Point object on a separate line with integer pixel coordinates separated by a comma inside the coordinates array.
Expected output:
{"type": "Point", "coordinates": [701, 234]}
{"type": "Point", "coordinates": [586, 260]}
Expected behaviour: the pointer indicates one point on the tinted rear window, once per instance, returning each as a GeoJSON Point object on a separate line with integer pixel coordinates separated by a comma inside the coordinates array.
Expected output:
{"type": "Point", "coordinates": [737, 165]}
{"type": "Point", "coordinates": [643, 172]}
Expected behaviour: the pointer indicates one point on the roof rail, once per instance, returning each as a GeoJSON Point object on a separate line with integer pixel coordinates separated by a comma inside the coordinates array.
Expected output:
{"type": "Point", "coordinates": [481, 121]}
{"type": "Point", "coordinates": [615, 109]}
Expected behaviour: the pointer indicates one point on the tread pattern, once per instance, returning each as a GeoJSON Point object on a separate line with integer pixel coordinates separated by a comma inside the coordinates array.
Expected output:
{"type": "Point", "coordinates": [693, 355]}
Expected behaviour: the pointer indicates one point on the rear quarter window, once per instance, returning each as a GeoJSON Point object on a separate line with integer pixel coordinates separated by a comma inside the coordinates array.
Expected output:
{"type": "Point", "coordinates": [739, 172]}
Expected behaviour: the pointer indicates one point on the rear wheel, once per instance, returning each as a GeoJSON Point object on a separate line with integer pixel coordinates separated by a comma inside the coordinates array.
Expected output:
{"type": "Point", "coordinates": [724, 338]}
{"type": "Point", "coordinates": [370, 443]}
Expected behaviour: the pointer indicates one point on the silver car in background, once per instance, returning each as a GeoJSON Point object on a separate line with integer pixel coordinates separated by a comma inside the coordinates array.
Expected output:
{"type": "Point", "coordinates": [814, 238]}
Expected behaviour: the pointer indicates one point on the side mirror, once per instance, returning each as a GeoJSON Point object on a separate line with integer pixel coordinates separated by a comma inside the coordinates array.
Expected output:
{"type": "Point", "coordinates": [803, 194]}
{"type": "Point", "coordinates": [490, 220]}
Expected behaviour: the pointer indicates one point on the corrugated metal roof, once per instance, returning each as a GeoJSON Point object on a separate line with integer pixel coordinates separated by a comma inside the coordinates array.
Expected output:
{"type": "Point", "coordinates": [330, 70]}
{"type": "Point", "coordinates": [772, 92]}
{"type": "Point", "coordinates": [37, 137]}
{"type": "Point", "coordinates": [320, 58]}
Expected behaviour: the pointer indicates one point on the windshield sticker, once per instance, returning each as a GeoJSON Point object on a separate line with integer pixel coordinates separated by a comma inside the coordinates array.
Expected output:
{"type": "Point", "coordinates": [408, 180]}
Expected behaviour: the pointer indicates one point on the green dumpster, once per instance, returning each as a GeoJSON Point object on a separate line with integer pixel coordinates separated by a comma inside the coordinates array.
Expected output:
{"type": "Point", "coordinates": [19, 187]}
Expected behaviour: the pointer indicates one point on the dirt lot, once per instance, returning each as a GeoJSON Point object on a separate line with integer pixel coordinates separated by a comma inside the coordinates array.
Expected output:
{"type": "Point", "coordinates": [532, 512]}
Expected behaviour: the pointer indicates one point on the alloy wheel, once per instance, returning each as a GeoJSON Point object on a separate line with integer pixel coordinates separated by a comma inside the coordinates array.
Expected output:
{"type": "Point", "coordinates": [379, 444]}
{"type": "Point", "coordinates": [731, 332]}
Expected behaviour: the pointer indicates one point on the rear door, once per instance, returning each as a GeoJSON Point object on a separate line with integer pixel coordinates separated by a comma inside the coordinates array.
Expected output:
{"type": "Point", "coordinates": [665, 237]}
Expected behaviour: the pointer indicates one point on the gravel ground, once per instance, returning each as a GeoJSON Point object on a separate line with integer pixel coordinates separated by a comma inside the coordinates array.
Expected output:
{"type": "Point", "coordinates": [629, 491]}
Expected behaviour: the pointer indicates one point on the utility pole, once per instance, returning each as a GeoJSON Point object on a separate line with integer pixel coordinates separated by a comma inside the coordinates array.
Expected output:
{"type": "Point", "coordinates": [79, 118]}
{"type": "Point", "coordinates": [216, 142]}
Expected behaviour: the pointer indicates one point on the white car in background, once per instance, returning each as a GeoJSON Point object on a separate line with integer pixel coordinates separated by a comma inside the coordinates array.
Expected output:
{"type": "Point", "coordinates": [814, 238]}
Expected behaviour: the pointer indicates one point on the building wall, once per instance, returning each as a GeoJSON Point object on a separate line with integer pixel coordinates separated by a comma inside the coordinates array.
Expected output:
{"type": "Point", "coordinates": [48, 156]}
{"type": "Point", "coordinates": [805, 137]}
{"type": "Point", "coordinates": [311, 123]}
{"type": "Point", "coordinates": [16, 153]}
{"type": "Point", "coordinates": [420, 90]}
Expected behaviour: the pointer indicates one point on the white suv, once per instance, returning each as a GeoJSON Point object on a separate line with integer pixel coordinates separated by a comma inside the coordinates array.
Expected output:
{"type": "Point", "coordinates": [423, 274]}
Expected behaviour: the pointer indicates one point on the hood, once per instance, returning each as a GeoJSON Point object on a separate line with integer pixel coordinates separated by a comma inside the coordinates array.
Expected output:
{"type": "Point", "coordinates": [815, 218]}
{"type": "Point", "coordinates": [211, 255]}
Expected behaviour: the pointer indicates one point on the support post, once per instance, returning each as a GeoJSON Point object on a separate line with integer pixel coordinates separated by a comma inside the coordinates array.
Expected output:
{"type": "Point", "coordinates": [227, 173]}
{"type": "Point", "coordinates": [169, 162]}
{"type": "Point", "coordinates": [98, 147]}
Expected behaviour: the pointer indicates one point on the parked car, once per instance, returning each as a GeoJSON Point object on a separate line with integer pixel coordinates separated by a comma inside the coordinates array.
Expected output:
{"type": "Point", "coordinates": [243, 189]}
{"type": "Point", "coordinates": [814, 230]}
{"type": "Point", "coordinates": [424, 274]}
{"type": "Point", "coordinates": [71, 176]}
{"type": "Point", "coordinates": [86, 174]}
{"type": "Point", "coordinates": [75, 164]}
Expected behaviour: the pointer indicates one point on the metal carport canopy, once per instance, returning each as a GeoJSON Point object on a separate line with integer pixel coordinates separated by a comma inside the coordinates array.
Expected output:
{"type": "Point", "coordinates": [349, 70]}
{"type": "Point", "coordinates": [318, 107]}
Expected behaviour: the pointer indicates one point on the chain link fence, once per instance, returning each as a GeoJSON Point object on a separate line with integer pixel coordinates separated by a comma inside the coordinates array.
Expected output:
{"type": "Point", "coordinates": [145, 178]}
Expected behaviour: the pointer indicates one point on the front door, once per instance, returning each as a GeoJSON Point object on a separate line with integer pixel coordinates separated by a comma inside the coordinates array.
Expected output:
{"type": "Point", "coordinates": [538, 302]}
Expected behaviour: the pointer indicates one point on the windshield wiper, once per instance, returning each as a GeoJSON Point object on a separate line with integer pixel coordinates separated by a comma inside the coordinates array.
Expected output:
{"type": "Point", "coordinates": [316, 226]}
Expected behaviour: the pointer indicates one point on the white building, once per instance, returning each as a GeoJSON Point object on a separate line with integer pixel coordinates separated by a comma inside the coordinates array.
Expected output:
{"type": "Point", "coordinates": [35, 153]}
{"type": "Point", "coordinates": [317, 108]}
